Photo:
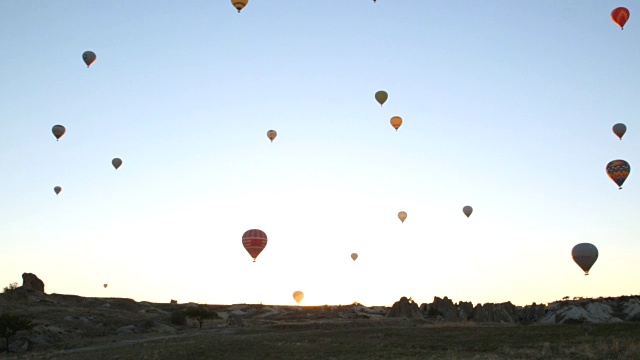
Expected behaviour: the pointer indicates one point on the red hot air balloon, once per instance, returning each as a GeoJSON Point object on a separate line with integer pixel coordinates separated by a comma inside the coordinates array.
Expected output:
{"type": "Point", "coordinates": [254, 241]}
{"type": "Point", "coordinates": [620, 16]}
{"type": "Point", "coordinates": [618, 171]}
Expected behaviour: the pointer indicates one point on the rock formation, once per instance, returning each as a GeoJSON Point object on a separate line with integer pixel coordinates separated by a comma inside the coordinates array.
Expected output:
{"type": "Point", "coordinates": [32, 282]}
{"type": "Point", "coordinates": [405, 309]}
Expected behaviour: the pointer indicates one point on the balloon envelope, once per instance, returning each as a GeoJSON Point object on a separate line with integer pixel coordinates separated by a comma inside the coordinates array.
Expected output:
{"type": "Point", "coordinates": [271, 134]}
{"type": "Point", "coordinates": [58, 131]}
{"type": "Point", "coordinates": [620, 16]}
{"type": "Point", "coordinates": [105, 285]}
{"type": "Point", "coordinates": [239, 4]}
{"type": "Point", "coordinates": [381, 97]}
{"type": "Point", "coordinates": [396, 121]}
{"type": "Point", "coordinates": [618, 171]}
{"type": "Point", "coordinates": [402, 216]}
{"type": "Point", "coordinates": [298, 296]}
{"type": "Point", "coordinates": [57, 189]}
{"type": "Point", "coordinates": [116, 162]}
{"type": "Point", "coordinates": [585, 255]}
{"type": "Point", "coordinates": [354, 256]}
{"type": "Point", "coordinates": [467, 210]}
{"type": "Point", "coordinates": [254, 241]}
{"type": "Point", "coordinates": [89, 57]}
{"type": "Point", "coordinates": [619, 129]}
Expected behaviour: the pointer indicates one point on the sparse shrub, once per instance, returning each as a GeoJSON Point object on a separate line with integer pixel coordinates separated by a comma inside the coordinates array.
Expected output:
{"type": "Point", "coordinates": [178, 317]}
{"type": "Point", "coordinates": [10, 287]}
{"type": "Point", "coordinates": [201, 313]}
{"type": "Point", "coordinates": [11, 324]}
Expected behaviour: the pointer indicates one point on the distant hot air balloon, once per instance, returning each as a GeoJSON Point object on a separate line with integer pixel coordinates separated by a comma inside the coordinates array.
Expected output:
{"type": "Point", "coordinates": [271, 134]}
{"type": "Point", "coordinates": [618, 171]}
{"type": "Point", "coordinates": [116, 162]}
{"type": "Point", "coordinates": [105, 285]}
{"type": "Point", "coordinates": [354, 256]}
{"type": "Point", "coordinates": [57, 189]}
{"type": "Point", "coordinates": [620, 16]}
{"type": "Point", "coordinates": [239, 4]}
{"type": "Point", "coordinates": [585, 255]}
{"type": "Point", "coordinates": [254, 241]}
{"type": "Point", "coordinates": [58, 131]}
{"type": "Point", "coordinates": [89, 57]}
{"type": "Point", "coordinates": [298, 296]}
{"type": "Point", "coordinates": [396, 121]}
{"type": "Point", "coordinates": [402, 216]}
{"type": "Point", "coordinates": [467, 210]}
{"type": "Point", "coordinates": [381, 97]}
{"type": "Point", "coordinates": [619, 129]}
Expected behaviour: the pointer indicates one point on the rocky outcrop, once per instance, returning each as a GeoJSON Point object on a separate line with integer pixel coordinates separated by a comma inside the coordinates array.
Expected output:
{"type": "Point", "coordinates": [32, 282]}
{"type": "Point", "coordinates": [405, 309]}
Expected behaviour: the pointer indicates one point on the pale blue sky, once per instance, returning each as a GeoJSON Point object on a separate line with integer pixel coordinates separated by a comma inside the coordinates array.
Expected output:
{"type": "Point", "coordinates": [507, 107]}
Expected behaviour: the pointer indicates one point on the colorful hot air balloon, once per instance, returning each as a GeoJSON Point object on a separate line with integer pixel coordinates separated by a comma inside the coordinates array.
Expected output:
{"type": "Point", "coordinates": [354, 256]}
{"type": "Point", "coordinates": [396, 121]}
{"type": "Point", "coordinates": [467, 210]}
{"type": "Point", "coordinates": [381, 97]}
{"type": "Point", "coordinates": [585, 255]}
{"type": "Point", "coordinates": [271, 134]}
{"type": "Point", "coordinates": [116, 162]}
{"type": "Point", "coordinates": [298, 296]}
{"type": "Point", "coordinates": [618, 171]}
{"type": "Point", "coordinates": [402, 216]}
{"type": "Point", "coordinates": [58, 131]}
{"type": "Point", "coordinates": [254, 241]}
{"type": "Point", "coordinates": [57, 189]}
{"type": "Point", "coordinates": [89, 57]}
{"type": "Point", "coordinates": [105, 285]}
{"type": "Point", "coordinates": [620, 16]}
{"type": "Point", "coordinates": [239, 4]}
{"type": "Point", "coordinates": [619, 129]}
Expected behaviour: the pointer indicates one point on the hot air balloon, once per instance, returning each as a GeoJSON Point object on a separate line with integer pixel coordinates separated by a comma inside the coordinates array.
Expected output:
{"type": "Point", "coordinates": [116, 162]}
{"type": "Point", "coordinates": [619, 129]}
{"type": "Point", "coordinates": [298, 296]}
{"type": "Point", "coordinates": [618, 171]}
{"type": "Point", "coordinates": [105, 285]}
{"type": "Point", "coordinates": [354, 256]}
{"type": "Point", "coordinates": [271, 134]}
{"type": "Point", "coordinates": [467, 210]}
{"type": "Point", "coordinates": [396, 121]}
{"type": "Point", "coordinates": [239, 4]}
{"type": "Point", "coordinates": [381, 97]}
{"type": "Point", "coordinates": [58, 131]}
{"type": "Point", "coordinates": [89, 57]}
{"type": "Point", "coordinates": [620, 16]}
{"type": "Point", "coordinates": [585, 255]}
{"type": "Point", "coordinates": [57, 189]}
{"type": "Point", "coordinates": [254, 241]}
{"type": "Point", "coordinates": [402, 216]}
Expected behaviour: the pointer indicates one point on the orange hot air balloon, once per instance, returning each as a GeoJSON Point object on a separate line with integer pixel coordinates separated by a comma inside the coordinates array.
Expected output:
{"type": "Point", "coordinates": [620, 16]}
{"type": "Point", "coordinates": [354, 256]}
{"type": "Point", "coordinates": [396, 121]}
{"type": "Point", "coordinates": [618, 171]}
{"type": "Point", "coordinates": [254, 241]}
{"type": "Point", "coordinates": [239, 4]}
{"type": "Point", "coordinates": [402, 216]}
{"type": "Point", "coordinates": [298, 296]}
{"type": "Point", "coordinates": [271, 134]}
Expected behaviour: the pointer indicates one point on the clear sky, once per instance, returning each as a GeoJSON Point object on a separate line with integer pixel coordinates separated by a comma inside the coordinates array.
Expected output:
{"type": "Point", "coordinates": [507, 107]}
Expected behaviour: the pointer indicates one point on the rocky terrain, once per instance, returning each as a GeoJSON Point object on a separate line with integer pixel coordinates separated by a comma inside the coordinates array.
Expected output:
{"type": "Point", "coordinates": [69, 322]}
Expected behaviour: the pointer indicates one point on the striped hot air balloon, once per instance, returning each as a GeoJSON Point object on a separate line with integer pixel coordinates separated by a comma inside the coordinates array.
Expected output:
{"type": "Point", "coordinates": [618, 171]}
{"type": "Point", "coordinates": [254, 241]}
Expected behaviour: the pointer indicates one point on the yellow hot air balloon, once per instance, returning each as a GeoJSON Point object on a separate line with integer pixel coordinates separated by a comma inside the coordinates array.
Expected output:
{"type": "Point", "coordinates": [116, 162]}
{"type": "Point", "coordinates": [396, 121]}
{"type": "Point", "coordinates": [271, 134]}
{"type": "Point", "coordinates": [58, 131]}
{"type": "Point", "coordinates": [57, 189]}
{"type": "Point", "coordinates": [239, 4]}
{"type": "Point", "coordinates": [89, 57]}
{"type": "Point", "coordinates": [381, 97]}
{"type": "Point", "coordinates": [402, 216]}
{"type": "Point", "coordinates": [354, 256]}
{"type": "Point", "coordinates": [298, 296]}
